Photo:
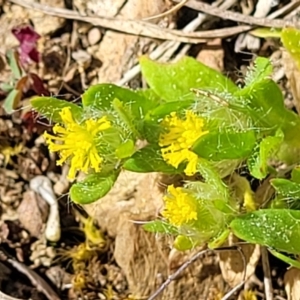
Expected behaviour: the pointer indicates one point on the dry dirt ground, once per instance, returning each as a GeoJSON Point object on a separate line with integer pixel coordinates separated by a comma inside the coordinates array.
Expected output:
{"type": "Point", "coordinates": [121, 261]}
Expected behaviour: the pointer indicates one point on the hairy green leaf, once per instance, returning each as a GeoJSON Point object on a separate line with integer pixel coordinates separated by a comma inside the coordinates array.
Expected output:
{"type": "Point", "coordinates": [275, 228]}
{"type": "Point", "coordinates": [263, 102]}
{"type": "Point", "coordinates": [174, 81]}
{"type": "Point", "coordinates": [258, 161]}
{"type": "Point", "coordinates": [93, 187]}
{"type": "Point", "coordinates": [166, 108]}
{"type": "Point", "coordinates": [101, 97]}
{"type": "Point", "coordinates": [159, 226]}
{"type": "Point", "coordinates": [286, 188]}
{"type": "Point", "coordinates": [50, 108]}
{"type": "Point", "coordinates": [126, 149]}
{"type": "Point", "coordinates": [261, 70]}
{"type": "Point", "coordinates": [149, 159]}
{"type": "Point", "coordinates": [225, 145]}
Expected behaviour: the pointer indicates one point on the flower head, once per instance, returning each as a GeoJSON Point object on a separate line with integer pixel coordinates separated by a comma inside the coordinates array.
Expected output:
{"type": "Point", "coordinates": [180, 206]}
{"type": "Point", "coordinates": [78, 142]}
{"type": "Point", "coordinates": [179, 137]}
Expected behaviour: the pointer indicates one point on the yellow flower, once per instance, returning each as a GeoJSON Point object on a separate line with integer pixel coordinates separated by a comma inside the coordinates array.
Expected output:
{"type": "Point", "coordinates": [77, 142]}
{"type": "Point", "coordinates": [180, 207]}
{"type": "Point", "coordinates": [179, 137]}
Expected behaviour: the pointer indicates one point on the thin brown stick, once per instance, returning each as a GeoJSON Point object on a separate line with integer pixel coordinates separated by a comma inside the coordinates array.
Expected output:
{"type": "Point", "coordinates": [174, 275]}
{"type": "Point", "coordinates": [140, 28]}
{"type": "Point", "coordinates": [233, 291]}
{"type": "Point", "coordinates": [191, 261]}
{"type": "Point", "coordinates": [37, 281]}
{"type": "Point", "coordinates": [267, 274]}
{"type": "Point", "coordinates": [160, 51]}
{"type": "Point", "coordinates": [166, 50]}
{"type": "Point", "coordinates": [168, 12]}
{"type": "Point", "coordinates": [238, 17]}
{"type": "Point", "coordinates": [285, 10]}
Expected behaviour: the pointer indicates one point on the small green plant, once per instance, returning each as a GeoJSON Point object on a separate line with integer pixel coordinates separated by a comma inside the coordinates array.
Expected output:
{"type": "Point", "coordinates": [195, 122]}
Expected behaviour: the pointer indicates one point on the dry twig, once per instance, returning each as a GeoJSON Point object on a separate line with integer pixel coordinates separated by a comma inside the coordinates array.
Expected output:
{"type": "Point", "coordinates": [250, 42]}
{"type": "Point", "coordinates": [165, 51]}
{"type": "Point", "coordinates": [168, 47]}
{"type": "Point", "coordinates": [168, 12]}
{"type": "Point", "coordinates": [37, 281]}
{"type": "Point", "coordinates": [267, 274]}
{"type": "Point", "coordinates": [191, 261]}
{"type": "Point", "coordinates": [135, 27]}
{"type": "Point", "coordinates": [238, 17]}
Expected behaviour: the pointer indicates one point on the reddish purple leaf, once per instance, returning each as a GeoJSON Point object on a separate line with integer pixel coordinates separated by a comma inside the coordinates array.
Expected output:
{"type": "Point", "coordinates": [32, 82]}
{"type": "Point", "coordinates": [28, 38]}
{"type": "Point", "coordinates": [31, 123]}
{"type": "Point", "coordinates": [37, 85]}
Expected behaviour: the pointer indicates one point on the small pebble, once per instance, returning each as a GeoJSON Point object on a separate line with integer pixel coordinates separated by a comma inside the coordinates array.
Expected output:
{"type": "Point", "coordinates": [94, 36]}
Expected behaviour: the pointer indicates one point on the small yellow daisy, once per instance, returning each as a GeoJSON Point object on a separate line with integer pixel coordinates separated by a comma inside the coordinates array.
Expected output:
{"type": "Point", "coordinates": [77, 142]}
{"type": "Point", "coordinates": [180, 207]}
{"type": "Point", "coordinates": [179, 137]}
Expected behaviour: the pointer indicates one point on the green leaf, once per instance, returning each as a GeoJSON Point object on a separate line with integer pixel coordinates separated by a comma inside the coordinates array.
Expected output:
{"type": "Point", "coordinates": [125, 150]}
{"type": "Point", "coordinates": [261, 70]}
{"type": "Point", "coordinates": [258, 161]}
{"type": "Point", "coordinates": [12, 101]}
{"type": "Point", "coordinates": [101, 97]}
{"type": "Point", "coordinates": [125, 116]}
{"type": "Point", "coordinates": [51, 107]}
{"type": "Point", "coordinates": [286, 188]}
{"type": "Point", "coordinates": [288, 260]}
{"type": "Point", "coordinates": [289, 151]}
{"type": "Point", "coordinates": [93, 187]}
{"type": "Point", "coordinates": [150, 95]}
{"type": "Point", "coordinates": [263, 102]}
{"type": "Point", "coordinates": [13, 61]}
{"type": "Point", "coordinates": [166, 108]}
{"type": "Point", "coordinates": [279, 202]}
{"type": "Point", "coordinates": [295, 176]}
{"type": "Point", "coordinates": [149, 159]}
{"type": "Point", "coordinates": [151, 131]}
{"type": "Point", "coordinates": [290, 38]}
{"type": "Point", "coordinates": [223, 206]}
{"type": "Point", "coordinates": [174, 81]}
{"type": "Point", "coordinates": [288, 193]}
{"type": "Point", "coordinates": [225, 145]}
{"type": "Point", "coordinates": [6, 87]}
{"type": "Point", "coordinates": [212, 177]}
{"type": "Point", "coordinates": [159, 226]}
{"type": "Point", "coordinates": [183, 243]}
{"type": "Point", "coordinates": [278, 229]}
{"type": "Point", "coordinates": [265, 32]}
{"type": "Point", "coordinates": [218, 241]}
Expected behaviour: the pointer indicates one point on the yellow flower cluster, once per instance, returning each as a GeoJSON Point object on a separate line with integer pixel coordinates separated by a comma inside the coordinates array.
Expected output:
{"type": "Point", "coordinates": [180, 207]}
{"type": "Point", "coordinates": [77, 142]}
{"type": "Point", "coordinates": [179, 137]}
